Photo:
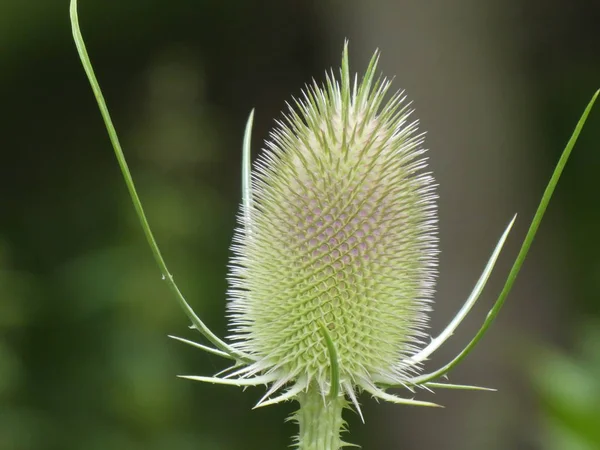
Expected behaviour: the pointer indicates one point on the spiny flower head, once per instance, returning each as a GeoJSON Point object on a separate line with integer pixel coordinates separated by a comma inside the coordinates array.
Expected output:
{"type": "Point", "coordinates": [341, 233]}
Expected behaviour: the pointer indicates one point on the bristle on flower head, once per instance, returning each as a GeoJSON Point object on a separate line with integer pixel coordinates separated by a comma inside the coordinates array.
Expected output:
{"type": "Point", "coordinates": [341, 232]}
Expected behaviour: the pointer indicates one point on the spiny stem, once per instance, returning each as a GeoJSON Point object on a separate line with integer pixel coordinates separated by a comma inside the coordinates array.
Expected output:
{"type": "Point", "coordinates": [320, 420]}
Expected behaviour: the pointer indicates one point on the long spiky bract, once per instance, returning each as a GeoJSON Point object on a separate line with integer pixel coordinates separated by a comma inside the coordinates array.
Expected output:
{"type": "Point", "coordinates": [335, 255]}
{"type": "Point", "coordinates": [531, 232]}
{"type": "Point", "coordinates": [114, 139]}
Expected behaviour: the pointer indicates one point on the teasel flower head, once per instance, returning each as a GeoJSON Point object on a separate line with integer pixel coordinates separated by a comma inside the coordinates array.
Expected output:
{"type": "Point", "coordinates": [340, 234]}
{"type": "Point", "coordinates": [335, 256]}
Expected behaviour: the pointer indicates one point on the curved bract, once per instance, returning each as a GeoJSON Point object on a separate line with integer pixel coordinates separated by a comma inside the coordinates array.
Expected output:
{"type": "Point", "coordinates": [334, 255]}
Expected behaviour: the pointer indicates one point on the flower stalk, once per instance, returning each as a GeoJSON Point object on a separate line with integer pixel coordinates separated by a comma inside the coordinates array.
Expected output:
{"type": "Point", "coordinates": [320, 420]}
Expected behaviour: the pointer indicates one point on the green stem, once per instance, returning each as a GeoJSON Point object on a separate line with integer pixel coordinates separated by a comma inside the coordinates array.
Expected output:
{"type": "Point", "coordinates": [320, 421]}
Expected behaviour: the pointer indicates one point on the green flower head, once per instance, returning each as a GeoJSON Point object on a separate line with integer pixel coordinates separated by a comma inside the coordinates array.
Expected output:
{"type": "Point", "coordinates": [335, 254]}
{"type": "Point", "coordinates": [341, 232]}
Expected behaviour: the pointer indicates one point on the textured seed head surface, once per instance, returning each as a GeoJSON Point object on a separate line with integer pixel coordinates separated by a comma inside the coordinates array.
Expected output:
{"type": "Point", "coordinates": [341, 232]}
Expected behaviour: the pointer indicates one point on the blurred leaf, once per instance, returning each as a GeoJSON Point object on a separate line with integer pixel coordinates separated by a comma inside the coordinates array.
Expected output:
{"type": "Point", "coordinates": [569, 389]}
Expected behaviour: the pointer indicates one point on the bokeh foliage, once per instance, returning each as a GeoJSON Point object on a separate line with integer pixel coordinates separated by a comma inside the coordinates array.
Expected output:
{"type": "Point", "coordinates": [84, 358]}
{"type": "Point", "coordinates": [569, 391]}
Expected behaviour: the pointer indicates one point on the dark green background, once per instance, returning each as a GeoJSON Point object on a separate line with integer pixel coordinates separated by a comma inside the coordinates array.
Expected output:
{"type": "Point", "coordinates": [84, 358]}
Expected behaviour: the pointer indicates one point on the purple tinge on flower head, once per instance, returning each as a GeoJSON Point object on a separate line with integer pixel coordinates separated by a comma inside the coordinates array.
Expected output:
{"type": "Point", "coordinates": [341, 232]}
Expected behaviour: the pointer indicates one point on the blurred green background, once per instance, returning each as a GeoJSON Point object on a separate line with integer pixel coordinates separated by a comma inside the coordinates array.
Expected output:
{"type": "Point", "coordinates": [85, 362]}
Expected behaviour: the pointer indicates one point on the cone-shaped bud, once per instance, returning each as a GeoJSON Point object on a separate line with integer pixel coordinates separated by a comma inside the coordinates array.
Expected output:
{"type": "Point", "coordinates": [341, 232]}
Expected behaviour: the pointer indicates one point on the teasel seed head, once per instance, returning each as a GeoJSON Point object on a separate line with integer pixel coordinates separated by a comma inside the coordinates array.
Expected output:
{"type": "Point", "coordinates": [341, 234]}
